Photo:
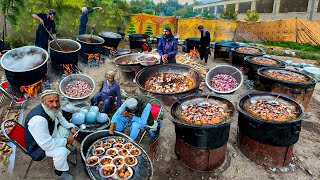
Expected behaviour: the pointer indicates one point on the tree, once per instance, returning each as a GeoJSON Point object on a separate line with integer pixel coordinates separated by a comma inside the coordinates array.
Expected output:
{"type": "Point", "coordinates": [131, 29]}
{"type": "Point", "coordinates": [149, 30]}
{"type": "Point", "coordinates": [229, 13]}
{"type": "Point", "coordinates": [206, 14]}
{"type": "Point", "coordinates": [252, 16]}
{"type": "Point", "coordinates": [142, 6]}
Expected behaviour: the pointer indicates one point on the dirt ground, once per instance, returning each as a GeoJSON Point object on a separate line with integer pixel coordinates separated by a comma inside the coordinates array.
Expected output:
{"type": "Point", "coordinates": [306, 156]}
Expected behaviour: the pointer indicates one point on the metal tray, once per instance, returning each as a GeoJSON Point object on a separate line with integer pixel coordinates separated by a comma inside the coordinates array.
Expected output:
{"type": "Point", "coordinates": [143, 170]}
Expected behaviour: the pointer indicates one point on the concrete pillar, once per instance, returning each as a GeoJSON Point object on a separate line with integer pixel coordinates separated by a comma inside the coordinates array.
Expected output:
{"type": "Point", "coordinates": [215, 10]}
{"type": "Point", "coordinates": [312, 8]}
{"type": "Point", "coordinates": [253, 4]}
{"type": "Point", "coordinates": [236, 8]}
{"type": "Point", "coordinates": [276, 9]}
{"type": "Point", "coordinates": [309, 5]}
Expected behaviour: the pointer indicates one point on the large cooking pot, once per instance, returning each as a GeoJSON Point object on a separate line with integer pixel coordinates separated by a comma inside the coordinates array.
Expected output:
{"type": "Point", "coordinates": [202, 136]}
{"type": "Point", "coordinates": [237, 55]}
{"type": "Point", "coordinates": [168, 98]}
{"type": "Point", "coordinates": [25, 65]}
{"type": "Point", "coordinates": [146, 167]}
{"type": "Point", "coordinates": [222, 49]}
{"type": "Point", "coordinates": [111, 39]}
{"type": "Point", "coordinates": [121, 62]}
{"type": "Point", "coordinates": [135, 40]}
{"type": "Point", "coordinates": [90, 44]}
{"type": "Point", "coordinates": [68, 54]}
{"type": "Point", "coordinates": [253, 66]}
{"type": "Point", "coordinates": [300, 91]}
{"type": "Point", "coordinates": [273, 133]}
{"type": "Point", "coordinates": [192, 43]}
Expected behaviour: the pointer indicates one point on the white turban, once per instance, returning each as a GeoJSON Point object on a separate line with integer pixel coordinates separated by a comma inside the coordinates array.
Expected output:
{"type": "Point", "coordinates": [48, 92]}
{"type": "Point", "coordinates": [84, 9]}
{"type": "Point", "coordinates": [131, 103]}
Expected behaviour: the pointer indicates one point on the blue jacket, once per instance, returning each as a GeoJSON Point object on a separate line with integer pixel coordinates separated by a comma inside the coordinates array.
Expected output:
{"type": "Point", "coordinates": [83, 22]}
{"type": "Point", "coordinates": [169, 47]}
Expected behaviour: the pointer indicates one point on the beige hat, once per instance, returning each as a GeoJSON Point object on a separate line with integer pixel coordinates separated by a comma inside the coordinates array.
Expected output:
{"type": "Point", "coordinates": [84, 9]}
{"type": "Point", "coordinates": [47, 92]}
{"type": "Point", "coordinates": [111, 73]}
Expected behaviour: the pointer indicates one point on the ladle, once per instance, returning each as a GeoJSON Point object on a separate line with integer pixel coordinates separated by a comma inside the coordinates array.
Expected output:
{"type": "Point", "coordinates": [52, 37]}
{"type": "Point", "coordinates": [95, 22]}
{"type": "Point", "coordinates": [82, 127]}
{"type": "Point", "coordinates": [205, 104]}
{"type": "Point", "coordinates": [236, 72]}
{"type": "Point", "coordinates": [274, 102]}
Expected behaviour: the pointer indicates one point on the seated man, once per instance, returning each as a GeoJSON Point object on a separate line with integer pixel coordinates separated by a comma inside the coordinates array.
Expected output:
{"type": "Point", "coordinates": [136, 113]}
{"type": "Point", "coordinates": [109, 91]}
{"type": "Point", "coordinates": [48, 134]}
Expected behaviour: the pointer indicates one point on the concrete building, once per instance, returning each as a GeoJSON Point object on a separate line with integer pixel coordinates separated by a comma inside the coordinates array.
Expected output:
{"type": "Point", "coordinates": [268, 9]}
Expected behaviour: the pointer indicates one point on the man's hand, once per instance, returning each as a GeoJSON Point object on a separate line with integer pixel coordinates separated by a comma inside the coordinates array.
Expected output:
{"type": "Point", "coordinates": [111, 129]}
{"type": "Point", "coordinates": [165, 58]}
{"type": "Point", "coordinates": [70, 140]}
{"type": "Point", "coordinates": [41, 21]}
{"type": "Point", "coordinates": [73, 130]}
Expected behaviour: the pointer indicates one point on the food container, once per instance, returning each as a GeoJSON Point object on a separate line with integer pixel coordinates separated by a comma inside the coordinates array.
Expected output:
{"type": "Point", "coordinates": [78, 118]}
{"type": "Point", "coordinates": [268, 141]}
{"type": "Point", "coordinates": [207, 142]}
{"type": "Point", "coordinates": [74, 77]}
{"type": "Point", "coordinates": [111, 39]}
{"type": "Point", "coordinates": [102, 118]}
{"type": "Point", "coordinates": [238, 54]}
{"type": "Point", "coordinates": [224, 69]}
{"type": "Point", "coordinates": [91, 117]}
{"type": "Point", "coordinates": [252, 64]}
{"type": "Point", "coordinates": [112, 166]}
{"type": "Point", "coordinates": [295, 84]}
{"type": "Point", "coordinates": [144, 59]}
{"type": "Point", "coordinates": [143, 170]}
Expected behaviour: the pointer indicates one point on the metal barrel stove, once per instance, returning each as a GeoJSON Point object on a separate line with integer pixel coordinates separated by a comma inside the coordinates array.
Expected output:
{"type": "Point", "coordinates": [238, 54]}
{"type": "Point", "coordinates": [301, 91]}
{"type": "Point", "coordinates": [268, 142]}
{"type": "Point", "coordinates": [206, 142]}
{"type": "Point", "coordinates": [252, 64]}
{"type": "Point", "coordinates": [222, 49]}
{"type": "Point", "coordinates": [135, 40]}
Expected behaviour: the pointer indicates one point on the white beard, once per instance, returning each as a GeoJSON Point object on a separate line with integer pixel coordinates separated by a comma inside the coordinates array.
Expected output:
{"type": "Point", "coordinates": [53, 114]}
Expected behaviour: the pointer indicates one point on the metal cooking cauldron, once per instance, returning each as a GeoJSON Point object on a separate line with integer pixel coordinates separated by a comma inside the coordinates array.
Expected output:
{"type": "Point", "coordinates": [120, 61]}
{"type": "Point", "coordinates": [202, 136]}
{"type": "Point", "coordinates": [18, 76]}
{"type": "Point", "coordinates": [168, 98]}
{"type": "Point", "coordinates": [68, 54]}
{"type": "Point", "coordinates": [91, 47]}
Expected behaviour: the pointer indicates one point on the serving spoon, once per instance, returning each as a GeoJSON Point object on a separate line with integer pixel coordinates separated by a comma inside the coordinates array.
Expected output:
{"type": "Point", "coordinates": [82, 127]}
{"type": "Point", "coordinates": [205, 104]}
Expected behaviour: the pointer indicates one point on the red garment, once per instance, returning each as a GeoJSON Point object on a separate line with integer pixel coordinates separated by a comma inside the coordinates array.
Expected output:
{"type": "Point", "coordinates": [145, 47]}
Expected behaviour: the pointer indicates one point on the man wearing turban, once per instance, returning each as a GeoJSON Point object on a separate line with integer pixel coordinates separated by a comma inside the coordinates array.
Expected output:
{"type": "Point", "coordinates": [167, 46]}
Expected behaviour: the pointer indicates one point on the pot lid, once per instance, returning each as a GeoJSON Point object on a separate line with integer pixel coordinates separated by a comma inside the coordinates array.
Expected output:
{"type": "Point", "coordinates": [110, 34]}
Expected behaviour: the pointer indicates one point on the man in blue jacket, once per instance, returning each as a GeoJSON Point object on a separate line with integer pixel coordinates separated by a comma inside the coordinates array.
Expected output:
{"type": "Point", "coordinates": [168, 46]}
{"type": "Point", "coordinates": [136, 113]}
{"type": "Point", "coordinates": [84, 19]}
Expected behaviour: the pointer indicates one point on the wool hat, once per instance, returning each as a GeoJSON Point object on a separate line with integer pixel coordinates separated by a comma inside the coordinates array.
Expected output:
{"type": "Point", "coordinates": [48, 92]}
{"type": "Point", "coordinates": [84, 9]}
{"type": "Point", "coordinates": [52, 11]}
{"type": "Point", "coordinates": [111, 73]}
{"type": "Point", "coordinates": [167, 28]}
{"type": "Point", "coordinates": [131, 103]}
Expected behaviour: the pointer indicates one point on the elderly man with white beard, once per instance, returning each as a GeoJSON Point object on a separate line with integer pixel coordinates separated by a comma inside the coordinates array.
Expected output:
{"type": "Point", "coordinates": [48, 133]}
